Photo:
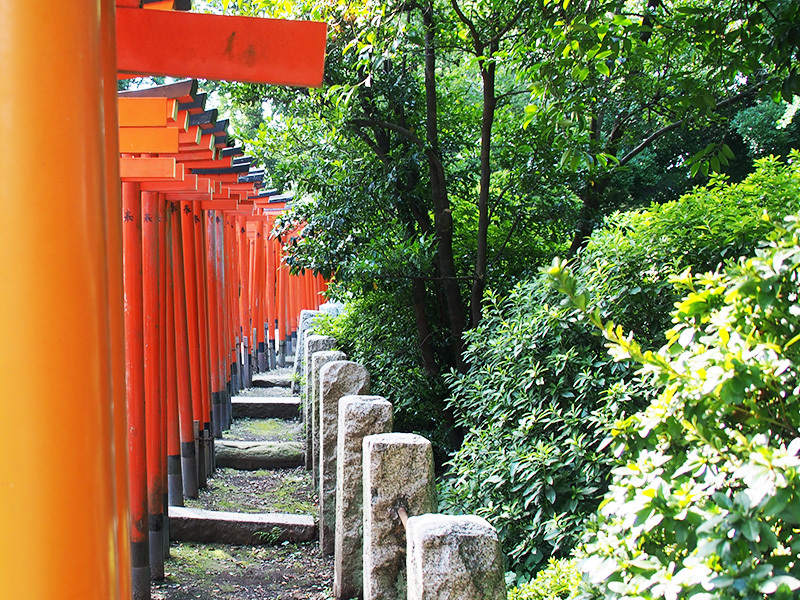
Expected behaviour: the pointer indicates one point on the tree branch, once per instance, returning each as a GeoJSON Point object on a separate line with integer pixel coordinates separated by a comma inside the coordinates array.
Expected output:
{"type": "Point", "coordinates": [511, 23]}
{"type": "Point", "coordinates": [407, 133]}
{"type": "Point", "coordinates": [470, 25]}
{"type": "Point", "coordinates": [502, 248]}
{"type": "Point", "coordinates": [672, 126]}
{"type": "Point", "coordinates": [372, 145]}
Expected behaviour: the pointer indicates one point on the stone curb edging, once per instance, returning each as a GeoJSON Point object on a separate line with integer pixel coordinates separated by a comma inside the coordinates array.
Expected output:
{"type": "Point", "coordinates": [267, 380]}
{"type": "Point", "coordinates": [252, 456]}
{"type": "Point", "coordinates": [247, 407]}
{"type": "Point", "coordinates": [209, 526]}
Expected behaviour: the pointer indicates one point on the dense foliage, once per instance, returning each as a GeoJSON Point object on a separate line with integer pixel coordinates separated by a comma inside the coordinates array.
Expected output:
{"type": "Point", "coordinates": [541, 392]}
{"type": "Point", "coordinates": [458, 145]}
{"type": "Point", "coordinates": [706, 497]}
{"type": "Point", "coordinates": [557, 581]}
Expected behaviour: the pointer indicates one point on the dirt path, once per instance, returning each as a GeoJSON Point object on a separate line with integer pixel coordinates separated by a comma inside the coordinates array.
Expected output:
{"type": "Point", "coordinates": [224, 572]}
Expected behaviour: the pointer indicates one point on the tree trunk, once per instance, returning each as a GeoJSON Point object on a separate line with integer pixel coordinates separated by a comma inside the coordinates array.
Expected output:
{"type": "Point", "coordinates": [419, 296]}
{"type": "Point", "coordinates": [487, 120]}
{"type": "Point", "coordinates": [443, 217]}
{"type": "Point", "coordinates": [590, 196]}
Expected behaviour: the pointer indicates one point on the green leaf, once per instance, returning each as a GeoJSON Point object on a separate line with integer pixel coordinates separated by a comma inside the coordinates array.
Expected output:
{"type": "Point", "coordinates": [751, 529]}
{"type": "Point", "coordinates": [728, 152]}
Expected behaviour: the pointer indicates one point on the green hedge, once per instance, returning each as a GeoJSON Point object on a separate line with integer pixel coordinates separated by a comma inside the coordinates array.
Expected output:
{"type": "Point", "coordinates": [705, 498]}
{"type": "Point", "coordinates": [541, 391]}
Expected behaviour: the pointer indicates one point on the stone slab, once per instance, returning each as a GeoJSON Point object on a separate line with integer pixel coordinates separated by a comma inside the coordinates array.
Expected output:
{"type": "Point", "coordinates": [313, 343]}
{"type": "Point", "coordinates": [210, 526]}
{"type": "Point", "coordinates": [252, 456]}
{"type": "Point", "coordinates": [274, 407]}
{"type": "Point", "coordinates": [305, 327]}
{"type": "Point", "coordinates": [318, 360]}
{"type": "Point", "coordinates": [269, 379]}
{"type": "Point", "coordinates": [359, 416]}
{"type": "Point", "coordinates": [398, 471]}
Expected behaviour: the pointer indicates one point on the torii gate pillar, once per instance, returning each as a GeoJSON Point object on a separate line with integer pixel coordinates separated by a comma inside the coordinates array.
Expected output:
{"type": "Point", "coordinates": [63, 527]}
{"type": "Point", "coordinates": [57, 484]}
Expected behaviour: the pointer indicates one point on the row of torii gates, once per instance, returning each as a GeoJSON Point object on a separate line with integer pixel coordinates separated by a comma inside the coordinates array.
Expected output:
{"type": "Point", "coordinates": [137, 276]}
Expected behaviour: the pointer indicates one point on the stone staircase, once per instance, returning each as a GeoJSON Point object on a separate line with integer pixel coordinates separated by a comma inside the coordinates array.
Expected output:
{"type": "Point", "coordinates": [260, 492]}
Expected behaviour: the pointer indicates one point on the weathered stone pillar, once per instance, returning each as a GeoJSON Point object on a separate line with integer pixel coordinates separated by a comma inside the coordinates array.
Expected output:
{"type": "Point", "coordinates": [318, 360]}
{"type": "Point", "coordinates": [336, 379]}
{"type": "Point", "coordinates": [313, 343]}
{"type": "Point", "coordinates": [359, 416]}
{"type": "Point", "coordinates": [303, 328]}
{"type": "Point", "coordinates": [451, 556]}
{"type": "Point", "coordinates": [398, 472]}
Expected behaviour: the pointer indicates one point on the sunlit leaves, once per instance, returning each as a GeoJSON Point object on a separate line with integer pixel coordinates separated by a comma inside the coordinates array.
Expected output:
{"type": "Point", "coordinates": [717, 451]}
{"type": "Point", "coordinates": [633, 68]}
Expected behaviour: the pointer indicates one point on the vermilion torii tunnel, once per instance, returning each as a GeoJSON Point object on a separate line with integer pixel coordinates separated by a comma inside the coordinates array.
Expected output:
{"type": "Point", "coordinates": [139, 280]}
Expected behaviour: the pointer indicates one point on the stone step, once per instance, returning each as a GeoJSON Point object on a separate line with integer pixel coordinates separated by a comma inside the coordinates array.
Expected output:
{"type": "Point", "coordinates": [210, 526]}
{"type": "Point", "coordinates": [272, 407]}
{"type": "Point", "coordinates": [252, 456]}
{"type": "Point", "coordinates": [270, 379]}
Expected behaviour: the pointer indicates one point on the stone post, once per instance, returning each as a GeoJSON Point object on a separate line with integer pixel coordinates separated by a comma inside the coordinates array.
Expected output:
{"type": "Point", "coordinates": [451, 556]}
{"type": "Point", "coordinates": [359, 416]}
{"type": "Point", "coordinates": [313, 343]}
{"type": "Point", "coordinates": [318, 360]}
{"type": "Point", "coordinates": [336, 379]}
{"type": "Point", "coordinates": [398, 472]}
{"type": "Point", "coordinates": [303, 328]}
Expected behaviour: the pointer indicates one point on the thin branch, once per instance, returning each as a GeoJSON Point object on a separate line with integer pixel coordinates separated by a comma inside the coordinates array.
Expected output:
{"type": "Point", "coordinates": [372, 145]}
{"type": "Point", "coordinates": [405, 133]}
{"type": "Point", "coordinates": [511, 23]}
{"type": "Point", "coordinates": [425, 277]}
{"type": "Point", "coordinates": [391, 127]}
{"type": "Point", "coordinates": [494, 204]}
{"type": "Point", "coordinates": [672, 126]}
{"type": "Point", "coordinates": [470, 25]}
{"type": "Point", "coordinates": [502, 248]}
{"type": "Point", "coordinates": [511, 93]}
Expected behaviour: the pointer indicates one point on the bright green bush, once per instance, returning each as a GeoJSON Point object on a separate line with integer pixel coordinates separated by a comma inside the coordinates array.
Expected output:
{"type": "Point", "coordinates": [627, 264]}
{"type": "Point", "coordinates": [705, 502]}
{"type": "Point", "coordinates": [559, 580]}
{"type": "Point", "coordinates": [541, 391]}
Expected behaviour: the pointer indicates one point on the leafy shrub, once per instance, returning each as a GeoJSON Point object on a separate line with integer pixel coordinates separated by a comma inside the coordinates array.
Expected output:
{"type": "Point", "coordinates": [541, 392]}
{"type": "Point", "coordinates": [535, 401]}
{"type": "Point", "coordinates": [560, 580]}
{"type": "Point", "coordinates": [708, 504]}
{"type": "Point", "coordinates": [627, 264]}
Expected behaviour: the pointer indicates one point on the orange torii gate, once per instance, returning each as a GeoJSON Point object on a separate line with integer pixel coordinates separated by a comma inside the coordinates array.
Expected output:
{"type": "Point", "coordinates": [175, 155]}
{"type": "Point", "coordinates": [64, 483]}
